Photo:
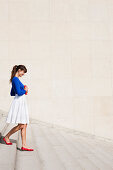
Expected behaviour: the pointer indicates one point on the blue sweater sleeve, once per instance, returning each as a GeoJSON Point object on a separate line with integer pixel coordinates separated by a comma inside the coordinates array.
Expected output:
{"type": "Point", "coordinates": [17, 88]}
{"type": "Point", "coordinates": [12, 92]}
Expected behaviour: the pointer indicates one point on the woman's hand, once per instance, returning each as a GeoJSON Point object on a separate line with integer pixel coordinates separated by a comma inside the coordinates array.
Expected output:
{"type": "Point", "coordinates": [26, 88]}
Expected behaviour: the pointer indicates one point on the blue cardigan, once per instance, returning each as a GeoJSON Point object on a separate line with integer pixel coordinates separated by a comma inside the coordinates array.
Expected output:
{"type": "Point", "coordinates": [17, 87]}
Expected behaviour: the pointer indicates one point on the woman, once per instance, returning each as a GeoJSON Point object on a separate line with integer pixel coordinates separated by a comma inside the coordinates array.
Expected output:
{"type": "Point", "coordinates": [18, 112]}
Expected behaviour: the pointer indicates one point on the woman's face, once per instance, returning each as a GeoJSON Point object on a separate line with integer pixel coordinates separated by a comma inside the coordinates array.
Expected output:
{"type": "Point", "coordinates": [21, 73]}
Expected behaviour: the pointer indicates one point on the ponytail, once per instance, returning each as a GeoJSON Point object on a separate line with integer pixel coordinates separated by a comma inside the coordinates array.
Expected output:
{"type": "Point", "coordinates": [15, 69]}
{"type": "Point", "coordinates": [13, 72]}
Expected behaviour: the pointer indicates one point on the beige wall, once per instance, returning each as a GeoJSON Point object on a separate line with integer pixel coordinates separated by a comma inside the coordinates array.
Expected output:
{"type": "Point", "coordinates": [67, 46]}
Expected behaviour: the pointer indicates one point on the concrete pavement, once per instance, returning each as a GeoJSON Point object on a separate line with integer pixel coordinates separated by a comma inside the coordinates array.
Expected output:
{"type": "Point", "coordinates": [55, 149]}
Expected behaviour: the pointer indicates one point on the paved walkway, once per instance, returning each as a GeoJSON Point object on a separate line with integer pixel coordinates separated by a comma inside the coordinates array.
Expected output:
{"type": "Point", "coordinates": [54, 149]}
{"type": "Point", "coordinates": [57, 149]}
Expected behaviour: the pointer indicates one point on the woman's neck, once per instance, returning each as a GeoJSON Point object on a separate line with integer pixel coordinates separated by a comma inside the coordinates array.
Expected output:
{"type": "Point", "coordinates": [16, 75]}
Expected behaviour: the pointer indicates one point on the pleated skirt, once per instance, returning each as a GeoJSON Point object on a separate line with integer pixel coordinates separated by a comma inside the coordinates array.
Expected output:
{"type": "Point", "coordinates": [18, 111]}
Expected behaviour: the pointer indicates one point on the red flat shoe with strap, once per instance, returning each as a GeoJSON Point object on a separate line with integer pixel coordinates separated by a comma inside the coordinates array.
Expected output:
{"type": "Point", "coordinates": [8, 143]}
{"type": "Point", "coordinates": [26, 149]}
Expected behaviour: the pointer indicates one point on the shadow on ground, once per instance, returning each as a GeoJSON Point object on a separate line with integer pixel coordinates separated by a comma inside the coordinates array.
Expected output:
{"type": "Point", "coordinates": [3, 142]}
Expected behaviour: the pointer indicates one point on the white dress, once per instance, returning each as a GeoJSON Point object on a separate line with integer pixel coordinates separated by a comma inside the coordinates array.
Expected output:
{"type": "Point", "coordinates": [18, 112]}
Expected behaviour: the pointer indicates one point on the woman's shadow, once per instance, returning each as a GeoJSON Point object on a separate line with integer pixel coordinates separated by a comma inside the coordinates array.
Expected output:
{"type": "Point", "coordinates": [12, 140]}
{"type": "Point", "coordinates": [3, 142]}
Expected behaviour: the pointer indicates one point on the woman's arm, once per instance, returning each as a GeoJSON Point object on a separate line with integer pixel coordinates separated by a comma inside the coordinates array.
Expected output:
{"type": "Point", "coordinates": [17, 88]}
{"type": "Point", "coordinates": [12, 92]}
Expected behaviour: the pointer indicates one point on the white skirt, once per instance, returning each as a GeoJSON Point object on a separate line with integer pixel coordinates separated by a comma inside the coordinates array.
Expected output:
{"type": "Point", "coordinates": [18, 112]}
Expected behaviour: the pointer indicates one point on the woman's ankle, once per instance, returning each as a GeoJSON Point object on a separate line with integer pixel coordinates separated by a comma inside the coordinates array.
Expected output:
{"type": "Point", "coordinates": [7, 137]}
{"type": "Point", "coordinates": [24, 145]}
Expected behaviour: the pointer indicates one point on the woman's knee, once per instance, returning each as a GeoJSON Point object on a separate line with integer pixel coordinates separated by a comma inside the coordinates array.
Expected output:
{"type": "Point", "coordinates": [22, 126]}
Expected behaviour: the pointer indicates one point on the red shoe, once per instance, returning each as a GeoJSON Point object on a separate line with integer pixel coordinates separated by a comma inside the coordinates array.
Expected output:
{"type": "Point", "coordinates": [26, 149]}
{"type": "Point", "coordinates": [8, 143]}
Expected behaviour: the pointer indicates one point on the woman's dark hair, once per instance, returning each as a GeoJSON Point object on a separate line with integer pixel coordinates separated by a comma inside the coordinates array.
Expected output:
{"type": "Point", "coordinates": [15, 69]}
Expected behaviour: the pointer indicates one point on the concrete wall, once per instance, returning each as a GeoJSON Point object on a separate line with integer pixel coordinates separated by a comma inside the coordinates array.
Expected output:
{"type": "Point", "coordinates": [67, 46]}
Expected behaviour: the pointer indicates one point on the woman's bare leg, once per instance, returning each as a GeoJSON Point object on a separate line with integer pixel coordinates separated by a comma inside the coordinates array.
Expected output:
{"type": "Point", "coordinates": [13, 130]}
{"type": "Point", "coordinates": [23, 136]}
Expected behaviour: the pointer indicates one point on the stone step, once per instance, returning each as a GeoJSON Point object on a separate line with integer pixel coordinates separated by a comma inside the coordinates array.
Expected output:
{"type": "Point", "coordinates": [3, 125]}
{"type": "Point", "coordinates": [44, 157]}
{"type": "Point", "coordinates": [8, 152]}
{"type": "Point", "coordinates": [74, 151]}
{"type": "Point", "coordinates": [93, 153]}
{"type": "Point", "coordinates": [56, 149]}
{"type": "Point", "coordinates": [27, 160]}
{"type": "Point", "coordinates": [47, 152]}
{"type": "Point", "coordinates": [63, 152]}
{"type": "Point", "coordinates": [72, 156]}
